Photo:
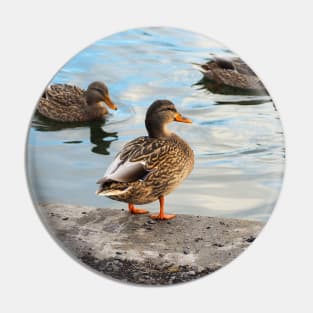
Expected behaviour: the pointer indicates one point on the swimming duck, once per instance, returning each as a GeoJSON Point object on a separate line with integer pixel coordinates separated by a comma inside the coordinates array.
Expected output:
{"type": "Point", "coordinates": [66, 103]}
{"type": "Point", "coordinates": [231, 72]}
{"type": "Point", "coordinates": [149, 167]}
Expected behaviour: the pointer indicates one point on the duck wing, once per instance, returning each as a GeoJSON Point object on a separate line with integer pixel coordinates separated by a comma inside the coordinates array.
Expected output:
{"type": "Point", "coordinates": [136, 160]}
{"type": "Point", "coordinates": [66, 95]}
{"type": "Point", "coordinates": [63, 103]}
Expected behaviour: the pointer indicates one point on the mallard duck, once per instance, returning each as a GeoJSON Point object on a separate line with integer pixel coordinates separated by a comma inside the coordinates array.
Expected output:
{"type": "Point", "coordinates": [148, 168]}
{"type": "Point", "coordinates": [68, 103]}
{"type": "Point", "coordinates": [231, 72]}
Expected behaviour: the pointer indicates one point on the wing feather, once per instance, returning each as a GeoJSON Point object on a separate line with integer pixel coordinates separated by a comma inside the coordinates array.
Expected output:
{"type": "Point", "coordinates": [136, 160]}
{"type": "Point", "coordinates": [66, 95]}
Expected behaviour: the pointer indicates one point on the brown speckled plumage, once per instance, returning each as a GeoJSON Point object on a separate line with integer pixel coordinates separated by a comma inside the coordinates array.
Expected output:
{"type": "Point", "coordinates": [66, 103]}
{"type": "Point", "coordinates": [233, 73]}
{"type": "Point", "coordinates": [168, 162]}
{"type": "Point", "coordinates": [164, 161]}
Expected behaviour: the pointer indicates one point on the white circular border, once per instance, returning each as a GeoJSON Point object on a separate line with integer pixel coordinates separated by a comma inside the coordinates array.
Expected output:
{"type": "Point", "coordinates": [274, 273]}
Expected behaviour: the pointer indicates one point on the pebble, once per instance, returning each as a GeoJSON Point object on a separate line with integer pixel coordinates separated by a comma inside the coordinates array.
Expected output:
{"type": "Point", "coordinates": [116, 262]}
{"type": "Point", "coordinates": [118, 252]}
{"type": "Point", "coordinates": [151, 222]}
{"type": "Point", "coordinates": [195, 268]}
{"type": "Point", "coordinates": [115, 268]}
{"type": "Point", "coordinates": [250, 239]}
{"type": "Point", "coordinates": [65, 218]}
{"type": "Point", "coordinates": [186, 251]}
{"type": "Point", "coordinates": [217, 245]}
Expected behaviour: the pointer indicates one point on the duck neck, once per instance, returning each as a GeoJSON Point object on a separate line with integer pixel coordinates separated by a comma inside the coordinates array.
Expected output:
{"type": "Point", "coordinates": [156, 129]}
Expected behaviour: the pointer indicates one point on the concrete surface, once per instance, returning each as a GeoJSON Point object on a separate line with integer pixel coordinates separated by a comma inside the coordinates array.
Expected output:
{"type": "Point", "coordinates": [136, 249]}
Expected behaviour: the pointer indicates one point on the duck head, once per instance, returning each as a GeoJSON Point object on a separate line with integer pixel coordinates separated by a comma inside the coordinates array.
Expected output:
{"type": "Point", "coordinates": [159, 114]}
{"type": "Point", "coordinates": [96, 93]}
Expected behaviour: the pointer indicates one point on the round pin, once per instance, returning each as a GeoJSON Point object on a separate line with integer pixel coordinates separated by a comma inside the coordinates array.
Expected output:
{"type": "Point", "coordinates": [155, 156]}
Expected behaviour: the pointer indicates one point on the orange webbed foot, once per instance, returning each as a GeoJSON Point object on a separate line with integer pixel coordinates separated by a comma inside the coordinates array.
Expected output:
{"type": "Point", "coordinates": [139, 211]}
{"type": "Point", "coordinates": [134, 210]}
{"type": "Point", "coordinates": [162, 217]}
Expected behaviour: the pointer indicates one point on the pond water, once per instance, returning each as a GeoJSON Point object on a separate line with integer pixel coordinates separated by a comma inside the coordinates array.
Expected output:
{"type": "Point", "coordinates": [239, 146]}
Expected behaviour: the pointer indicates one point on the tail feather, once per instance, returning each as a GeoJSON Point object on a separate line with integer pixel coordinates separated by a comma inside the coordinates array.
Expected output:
{"type": "Point", "coordinates": [109, 187]}
{"type": "Point", "coordinates": [110, 192]}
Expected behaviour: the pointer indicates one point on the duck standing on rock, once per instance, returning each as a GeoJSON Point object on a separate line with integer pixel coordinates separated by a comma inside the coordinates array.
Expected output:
{"type": "Point", "coordinates": [149, 167]}
{"type": "Point", "coordinates": [66, 103]}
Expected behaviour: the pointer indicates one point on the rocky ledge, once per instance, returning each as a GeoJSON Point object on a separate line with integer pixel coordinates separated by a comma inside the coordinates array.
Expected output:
{"type": "Point", "coordinates": [136, 249]}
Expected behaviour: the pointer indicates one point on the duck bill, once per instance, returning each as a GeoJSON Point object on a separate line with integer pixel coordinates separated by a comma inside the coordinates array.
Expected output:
{"type": "Point", "coordinates": [109, 102]}
{"type": "Point", "coordinates": [182, 119]}
{"type": "Point", "coordinates": [200, 67]}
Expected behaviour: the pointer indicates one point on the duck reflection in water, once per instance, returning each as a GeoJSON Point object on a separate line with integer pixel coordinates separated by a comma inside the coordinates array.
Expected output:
{"type": "Point", "coordinates": [100, 138]}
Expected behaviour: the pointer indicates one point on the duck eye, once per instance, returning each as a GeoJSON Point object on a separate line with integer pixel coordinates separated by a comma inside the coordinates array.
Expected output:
{"type": "Point", "coordinates": [99, 90]}
{"type": "Point", "coordinates": [166, 109]}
